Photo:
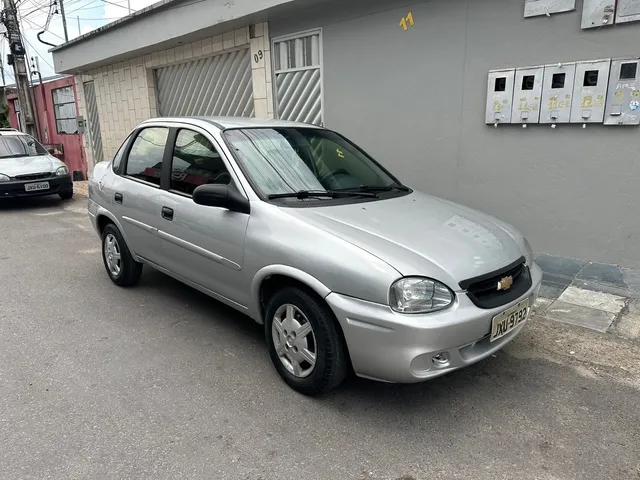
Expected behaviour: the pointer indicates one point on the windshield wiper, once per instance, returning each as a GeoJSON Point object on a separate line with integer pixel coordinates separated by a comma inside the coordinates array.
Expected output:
{"type": "Point", "coordinates": [302, 194]}
{"type": "Point", "coordinates": [377, 188]}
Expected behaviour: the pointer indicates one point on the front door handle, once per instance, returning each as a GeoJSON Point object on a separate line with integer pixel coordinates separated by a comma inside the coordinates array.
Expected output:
{"type": "Point", "coordinates": [118, 197]}
{"type": "Point", "coordinates": [167, 213]}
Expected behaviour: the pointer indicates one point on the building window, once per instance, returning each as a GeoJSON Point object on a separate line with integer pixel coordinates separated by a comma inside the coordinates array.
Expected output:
{"type": "Point", "coordinates": [297, 53]}
{"type": "Point", "coordinates": [64, 108]}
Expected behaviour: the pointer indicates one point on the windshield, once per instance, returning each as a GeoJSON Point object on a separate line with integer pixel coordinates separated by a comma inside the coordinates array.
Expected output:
{"type": "Point", "coordinates": [286, 160]}
{"type": "Point", "coordinates": [19, 146]}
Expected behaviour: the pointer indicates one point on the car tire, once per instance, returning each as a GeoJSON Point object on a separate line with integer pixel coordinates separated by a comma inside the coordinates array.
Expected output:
{"type": "Point", "coordinates": [68, 195]}
{"type": "Point", "coordinates": [122, 269]}
{"type": "Point", "coordinates": [325, 341]}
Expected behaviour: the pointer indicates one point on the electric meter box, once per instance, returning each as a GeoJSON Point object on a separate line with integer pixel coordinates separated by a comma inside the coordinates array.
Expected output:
{"type": "Point", "coordinates": [598, 13]}
{"type": "Point", "coordinates": [527, 90]}
{"type": "Point", "coordinates": [590, 91]}
{"type": "Point", "coordinates": [623, 96]}
{"type": "Point", "coordinates": [557, 91]}
{"type": "Point", "coordinates": [499, 96]}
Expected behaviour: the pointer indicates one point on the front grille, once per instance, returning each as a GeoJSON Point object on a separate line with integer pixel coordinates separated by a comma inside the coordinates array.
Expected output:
{"type": "Point", "coordinates": [33, 176]}
{"type": "Point", "coordinates": [483, 290]}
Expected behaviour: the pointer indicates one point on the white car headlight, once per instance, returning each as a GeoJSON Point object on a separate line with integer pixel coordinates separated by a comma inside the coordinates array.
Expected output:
{"type": "Point", "coordinates": [419, 295]}
{"type": "Point", "coordinates": [528, 253]}
{"type": "Point", "coordinates": [62, 171]}
{"type": "Point", "coordinates": [4, 178]}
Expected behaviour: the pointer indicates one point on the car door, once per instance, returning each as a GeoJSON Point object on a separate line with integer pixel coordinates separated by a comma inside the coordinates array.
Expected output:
{"type": "Point", "coordinates": [136, 192]}
{"type": "Point", "coordinates": [202, 244]}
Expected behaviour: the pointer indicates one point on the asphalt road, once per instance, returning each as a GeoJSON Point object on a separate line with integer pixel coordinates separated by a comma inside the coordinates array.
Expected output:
{"type": "Point", "coordinates": [161, 382]}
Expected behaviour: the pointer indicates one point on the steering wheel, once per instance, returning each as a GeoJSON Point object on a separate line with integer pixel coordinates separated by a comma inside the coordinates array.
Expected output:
{"type": "Point", "coordinates": [332, 173]}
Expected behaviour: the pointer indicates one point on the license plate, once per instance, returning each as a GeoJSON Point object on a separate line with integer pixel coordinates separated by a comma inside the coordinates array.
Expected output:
{"type": "Point", "coordinates": [32, 187]}
{"type": "Point", "coordinates": [506, 321]}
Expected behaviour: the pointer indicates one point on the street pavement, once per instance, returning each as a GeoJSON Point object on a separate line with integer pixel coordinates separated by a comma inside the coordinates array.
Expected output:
{"type": "Point", "coordinates": [161, 382]}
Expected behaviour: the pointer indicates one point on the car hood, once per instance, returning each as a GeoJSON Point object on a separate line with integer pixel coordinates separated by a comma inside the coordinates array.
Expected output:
{"type": "Point", "coordinates": [418, 234]}
{"type": "Point", "coordinates": [28, 165]}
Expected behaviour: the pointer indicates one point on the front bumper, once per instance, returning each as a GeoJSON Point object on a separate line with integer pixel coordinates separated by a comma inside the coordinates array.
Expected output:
{"type": "Point", "coordinates": [392, 347]}
{"type": "Point", "coordinates": [16, 188]}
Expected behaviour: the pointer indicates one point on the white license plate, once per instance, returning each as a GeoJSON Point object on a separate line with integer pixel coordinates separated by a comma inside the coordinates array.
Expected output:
{"type": "Point", "coordinates": [32, 187]}
{"type": "Point", "coordinates": [506, 321]}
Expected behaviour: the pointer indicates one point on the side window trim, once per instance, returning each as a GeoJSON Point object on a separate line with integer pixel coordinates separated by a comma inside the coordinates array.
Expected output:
{"type": "Point", "coordinates": [125, 146]}
{"type": "Point", "coordinates": [171, 141]}
{"type": "Point", "coordinates": [125, 159]}
{"type": "Point", "coordinates": [167, 159]}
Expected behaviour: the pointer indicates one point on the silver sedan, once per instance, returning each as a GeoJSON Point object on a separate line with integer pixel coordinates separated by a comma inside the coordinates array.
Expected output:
{"type": "Point", "coordinates": [294, 225]}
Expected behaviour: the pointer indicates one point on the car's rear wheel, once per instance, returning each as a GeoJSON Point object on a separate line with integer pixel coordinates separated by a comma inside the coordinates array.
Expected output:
{"type": "Point", "coordinates": [304, 342]}
{"type": "Point", "coordinates": [122, 269]}
{"type": "Point", "coordinates": [67, 195]}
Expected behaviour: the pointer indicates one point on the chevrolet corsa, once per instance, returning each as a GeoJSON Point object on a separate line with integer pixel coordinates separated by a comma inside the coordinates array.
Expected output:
{"type": "Point", "coordinates": [294, 225]}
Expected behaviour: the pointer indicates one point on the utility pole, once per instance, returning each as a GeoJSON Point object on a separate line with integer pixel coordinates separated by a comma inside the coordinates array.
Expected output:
{"type": "Point", "coordinates": [79, 31]}
{"type": "Point", "coordinates": [20, 70]}
{"type": "Point", "coordinates": [64, 21]}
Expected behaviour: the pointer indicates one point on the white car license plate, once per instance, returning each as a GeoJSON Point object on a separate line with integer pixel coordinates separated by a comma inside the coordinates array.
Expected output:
{"type": "Point", "coordinates": [32, 187]}
{"type": "Point", "coordinates": [506, 321]}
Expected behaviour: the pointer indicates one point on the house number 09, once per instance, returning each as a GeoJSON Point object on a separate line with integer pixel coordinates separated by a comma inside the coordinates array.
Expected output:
{"type": "Point", "coordinates": [407, 22]}
{"type": "Point", "coordinates": [258, 56]}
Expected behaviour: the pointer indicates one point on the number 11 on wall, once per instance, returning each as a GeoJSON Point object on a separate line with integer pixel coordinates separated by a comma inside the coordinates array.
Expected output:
{"type": "Point", "coordinates": [407, 22]}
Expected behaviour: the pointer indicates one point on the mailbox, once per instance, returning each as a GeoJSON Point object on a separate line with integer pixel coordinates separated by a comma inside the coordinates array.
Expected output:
{"type": "Point", "coordinates": [623, 96]}
{"type": "Point", "coordinates": [590, 91]}
{"type": "Point", "coordinates": [557, 90]}
{"type": "Point", "coordinates": [499, 96]}
{"type": "Point", "coordinates": [598, 13]}
{"type": "Point", "coordinates": [526, 95]}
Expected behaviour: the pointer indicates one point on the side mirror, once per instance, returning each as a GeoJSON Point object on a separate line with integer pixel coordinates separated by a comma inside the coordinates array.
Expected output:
{"type": "Point", "coordinates": [224, 196]}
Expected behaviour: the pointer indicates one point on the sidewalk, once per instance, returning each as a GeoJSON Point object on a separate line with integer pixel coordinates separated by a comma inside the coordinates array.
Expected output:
{"type": "Point", "coordinates": [598, 296]}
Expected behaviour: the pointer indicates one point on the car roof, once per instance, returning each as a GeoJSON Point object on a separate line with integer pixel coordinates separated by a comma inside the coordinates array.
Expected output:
{"type": "Point", "coordinates": [10, 131]}
{"type": "Point", "coordinates": [234, 122]}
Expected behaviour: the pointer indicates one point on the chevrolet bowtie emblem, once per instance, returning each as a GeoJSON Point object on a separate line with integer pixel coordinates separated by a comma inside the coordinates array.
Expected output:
{"type": "Point", "coordinates": [505, 283]}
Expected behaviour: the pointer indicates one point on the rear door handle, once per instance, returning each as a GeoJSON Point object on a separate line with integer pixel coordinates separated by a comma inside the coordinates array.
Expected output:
{"type": "Point", "coordinates": [167, 213]}
{"type": "Point", "coordinates": [118, 197]}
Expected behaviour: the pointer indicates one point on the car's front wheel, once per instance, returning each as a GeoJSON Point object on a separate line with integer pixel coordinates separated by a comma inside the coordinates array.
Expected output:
{"type": "Point", "coordinates": [66, 195]}
{"type": "Point", "coordinates": [304, 342]}
{"type": "Point", "coordinates": [122, 269]}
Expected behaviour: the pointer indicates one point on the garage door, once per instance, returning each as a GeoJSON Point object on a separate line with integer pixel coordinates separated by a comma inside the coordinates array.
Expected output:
{"type": "Point", "coordinates": [218, 85]}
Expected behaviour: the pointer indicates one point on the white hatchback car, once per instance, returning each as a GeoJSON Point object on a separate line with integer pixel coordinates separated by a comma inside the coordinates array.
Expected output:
{"type": "Point", "coordinates": [300, 229]}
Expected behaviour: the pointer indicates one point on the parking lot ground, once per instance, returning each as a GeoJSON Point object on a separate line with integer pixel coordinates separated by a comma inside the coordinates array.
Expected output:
{"type": "Point", "coordinates": [161, 382]}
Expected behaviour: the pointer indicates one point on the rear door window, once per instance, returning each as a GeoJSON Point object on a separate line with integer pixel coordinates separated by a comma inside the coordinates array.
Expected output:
{"type": "Point", "coordinates": [145, 157]}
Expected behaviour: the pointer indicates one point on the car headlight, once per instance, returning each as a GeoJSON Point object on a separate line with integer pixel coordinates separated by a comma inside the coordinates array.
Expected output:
{"type": "Point", "coordinates": [419, 295]}
{"type": "Point", "coordinates": [528, 253]}
{"type": "Point", "coordinates": [4, 178]}
{"type": "Point", "coordinates": [62, 171]}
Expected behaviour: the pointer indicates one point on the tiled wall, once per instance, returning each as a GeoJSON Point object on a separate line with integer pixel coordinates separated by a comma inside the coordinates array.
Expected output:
{"type": "Point", "coordinates": [125, 91]}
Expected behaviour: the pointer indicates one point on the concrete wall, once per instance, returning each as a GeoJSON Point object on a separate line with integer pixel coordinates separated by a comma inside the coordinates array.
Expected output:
{"type": "Point", "coordinates": [415, 99]}
{"type": "Point", "coordinates": [125, 91]}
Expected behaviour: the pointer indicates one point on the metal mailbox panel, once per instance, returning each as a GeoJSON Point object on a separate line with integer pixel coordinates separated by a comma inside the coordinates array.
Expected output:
{"type": "Point", "coordinates": [623, 96]}
{"type": "Point", "coordinates": [499, 96]}
{"type": "Point", "coordinates": [590, 91]}
{"type": "Point", "coordinates": [628, 11]}
{"type": "Point", "coordinates": [557, 90]}
{"type": "Point", "coordinates": [533, 8]}
{"type": "Point", "coordinates": [527, 90]}
{"type": "Point", "coordinates": [598, 13]}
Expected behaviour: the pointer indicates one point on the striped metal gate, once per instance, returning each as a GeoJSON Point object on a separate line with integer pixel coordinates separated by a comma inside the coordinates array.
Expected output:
{"type": "Point", "coordinates": [93, 122]}
{"type": "Point", "coordinates": [297, 67]}
{"type": "Point", "coordinates": [219, 85]}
